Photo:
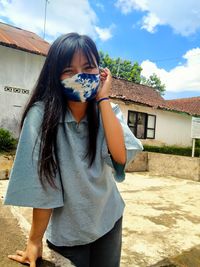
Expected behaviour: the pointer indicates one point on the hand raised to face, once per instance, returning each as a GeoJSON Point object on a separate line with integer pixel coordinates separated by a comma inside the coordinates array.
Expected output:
{"type": "Point", "coordinates": [106, 80]}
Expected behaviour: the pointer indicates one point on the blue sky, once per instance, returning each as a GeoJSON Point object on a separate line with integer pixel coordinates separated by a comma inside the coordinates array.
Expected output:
{"type": "Point", "coordinates": [163, 36]}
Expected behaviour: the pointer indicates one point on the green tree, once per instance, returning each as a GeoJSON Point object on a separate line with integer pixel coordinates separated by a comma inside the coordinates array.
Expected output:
{"type": "Point", "coordinates": [121, 68]}
{"type": "Point", "coordinates": [155, 82]}
{"type": "Point", "coordinates": [131, 72]}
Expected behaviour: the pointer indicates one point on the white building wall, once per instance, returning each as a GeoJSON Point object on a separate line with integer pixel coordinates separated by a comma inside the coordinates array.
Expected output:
{"type": "Point", "coordinates": [172, 128]}
{"type": "Point", "coordinates": [17, 69]}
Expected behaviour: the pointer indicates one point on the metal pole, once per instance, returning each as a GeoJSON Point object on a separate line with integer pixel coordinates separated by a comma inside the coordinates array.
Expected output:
{"type": "Point", "coordinates": [118, 68]}
{"type": "Point", "coordinates": [193, 146]}
{"type": "Point", "coordinates": [45, 17]}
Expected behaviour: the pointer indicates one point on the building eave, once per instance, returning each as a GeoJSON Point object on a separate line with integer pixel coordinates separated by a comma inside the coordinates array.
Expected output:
{"type": "Point", "coordinates": [14, 46]}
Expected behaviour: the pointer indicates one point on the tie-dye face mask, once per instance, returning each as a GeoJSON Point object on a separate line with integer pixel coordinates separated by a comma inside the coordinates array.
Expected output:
{"type": "Point", "coordinates": [81, 87]}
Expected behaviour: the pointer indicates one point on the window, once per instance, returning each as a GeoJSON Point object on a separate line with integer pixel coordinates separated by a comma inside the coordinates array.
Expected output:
{"type": "Point", "coordinates": [142, 124]}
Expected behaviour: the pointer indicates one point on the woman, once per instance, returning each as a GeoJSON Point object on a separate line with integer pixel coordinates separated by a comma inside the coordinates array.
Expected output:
{"type": "Point", "coordinates": [72, 137]}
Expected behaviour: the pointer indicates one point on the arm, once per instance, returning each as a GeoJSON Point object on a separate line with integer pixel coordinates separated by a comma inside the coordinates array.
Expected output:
{"type": "Point", "coordinates": [33, 250]}
{"type": "Point", "coordinates": [40, 221]}
{"type": "Point", "coordinates": [113, 133]}
{"type": "Point", "coordinates": [112, 127]}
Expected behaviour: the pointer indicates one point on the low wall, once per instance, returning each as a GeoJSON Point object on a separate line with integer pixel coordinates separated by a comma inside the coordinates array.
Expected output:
{"type": "Point", "coordinates": [171, 165]}
{"type": "Point", "coordinates": [155, 163]}
{"type": "Point", "coordinates": [166, 165]}
{"type": "Point", "coordinates": [5, 166]}
{"type": "Point", "coordinates": [139, 164]}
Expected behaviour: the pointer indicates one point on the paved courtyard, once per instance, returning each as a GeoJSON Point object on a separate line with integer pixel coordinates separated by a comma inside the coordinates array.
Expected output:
{"type": "Point", "coordinates": [161, 224]}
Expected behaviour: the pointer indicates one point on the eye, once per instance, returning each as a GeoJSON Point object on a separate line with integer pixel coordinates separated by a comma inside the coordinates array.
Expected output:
{"type": "Point", "coordinates": [89, 68]}
{"type": "Point", "coordinates": [67, 71]}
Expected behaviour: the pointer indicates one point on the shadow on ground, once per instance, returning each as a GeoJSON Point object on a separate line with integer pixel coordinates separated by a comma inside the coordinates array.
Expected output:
{"type": "Point", "coordinates": [12, 239]}
{"type": "Point", "coordinates": [190, 258]}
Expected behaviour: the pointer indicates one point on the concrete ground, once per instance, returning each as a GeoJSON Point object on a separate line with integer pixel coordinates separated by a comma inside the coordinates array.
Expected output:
{"type": "Point", "coordinates": [13, 229]}
{"type": "Point", "coordinates": [161, 225]}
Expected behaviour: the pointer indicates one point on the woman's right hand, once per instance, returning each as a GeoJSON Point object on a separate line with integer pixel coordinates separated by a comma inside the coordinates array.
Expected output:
{"type": "Point", "coordinates": [30, 255]}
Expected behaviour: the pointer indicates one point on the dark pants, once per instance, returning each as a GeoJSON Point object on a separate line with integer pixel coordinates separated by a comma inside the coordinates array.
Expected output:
{"type": "Point", "coordinates": [104, 252]}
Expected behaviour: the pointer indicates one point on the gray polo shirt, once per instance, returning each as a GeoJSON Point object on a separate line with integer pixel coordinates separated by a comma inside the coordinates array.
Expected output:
{"type": "Point", "coordinates": [86, 203]}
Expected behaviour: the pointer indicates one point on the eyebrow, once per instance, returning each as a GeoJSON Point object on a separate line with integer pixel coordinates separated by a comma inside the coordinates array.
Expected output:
{"type": "Point", "coordinates": [84, 65]}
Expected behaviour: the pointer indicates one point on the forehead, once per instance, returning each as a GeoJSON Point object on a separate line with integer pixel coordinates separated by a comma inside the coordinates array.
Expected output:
{"type": "Point", "coordinates": [80, 58]}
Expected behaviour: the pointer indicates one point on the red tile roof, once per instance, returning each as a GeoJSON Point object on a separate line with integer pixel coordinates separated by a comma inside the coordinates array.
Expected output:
{"type": "Point", "coordinates": [190, 105]}
{"type": "Point", "coordinates": [23, 40]}
{"type": "Point", "coordinates": [137, 93]}
{"type": "Point", "coordinates": [142, 94]}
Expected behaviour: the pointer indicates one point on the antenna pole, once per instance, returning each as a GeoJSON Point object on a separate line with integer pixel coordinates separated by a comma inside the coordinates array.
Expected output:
{"type": "Point", "coordinates": [45, 17]}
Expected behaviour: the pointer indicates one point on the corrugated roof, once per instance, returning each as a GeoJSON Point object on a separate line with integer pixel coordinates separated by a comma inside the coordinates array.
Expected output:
{"type": "Point", "coordinates": [190, 105]}
{"type": "Point", "coordinates": [23, 40]}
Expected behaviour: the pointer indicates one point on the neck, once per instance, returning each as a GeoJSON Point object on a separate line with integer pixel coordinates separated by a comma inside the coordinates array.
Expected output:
{"type": "Point", "coordinates": [78, 109]}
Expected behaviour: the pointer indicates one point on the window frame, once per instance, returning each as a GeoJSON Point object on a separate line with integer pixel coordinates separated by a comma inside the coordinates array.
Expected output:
{"type": "Point", "coordinates": [146, 128]}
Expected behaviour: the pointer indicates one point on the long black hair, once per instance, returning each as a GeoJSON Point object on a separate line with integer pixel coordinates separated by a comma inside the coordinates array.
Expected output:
{"type": "Point", "coordinates": [48, 90]}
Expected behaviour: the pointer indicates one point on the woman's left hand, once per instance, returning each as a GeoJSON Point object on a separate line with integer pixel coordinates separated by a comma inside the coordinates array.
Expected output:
{"type": "Point", "coordinates": [106, 79]}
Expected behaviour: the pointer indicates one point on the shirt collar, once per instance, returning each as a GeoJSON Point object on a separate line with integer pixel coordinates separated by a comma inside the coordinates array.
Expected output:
{"type": "Point", "coordinates": [70, 118]}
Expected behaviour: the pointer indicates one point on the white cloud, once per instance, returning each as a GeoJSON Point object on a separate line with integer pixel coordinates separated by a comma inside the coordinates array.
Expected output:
{"type": "Point", "coordinates": [104, 33]}
{"type": "Point", "coordinates": [62, 16]}
{"type": "Point", "coordinates": [182, 16]}
{"type": "Point", "coordinates": [184, 77]}
{"type": "Point", "coordinates": [127, 6]}
{"type": "Point", "coordinates": [100, 6]}
{"type": "Point", "coordinates": [150, 22]}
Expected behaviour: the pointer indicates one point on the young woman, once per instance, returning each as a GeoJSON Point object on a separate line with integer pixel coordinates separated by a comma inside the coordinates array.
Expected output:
{"type": "Point", "coordinates": [73, 142]}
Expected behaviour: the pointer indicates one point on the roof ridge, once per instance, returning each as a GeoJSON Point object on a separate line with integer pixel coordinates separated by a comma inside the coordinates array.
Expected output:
{"type": "Point", "coordinates": [18, 28]}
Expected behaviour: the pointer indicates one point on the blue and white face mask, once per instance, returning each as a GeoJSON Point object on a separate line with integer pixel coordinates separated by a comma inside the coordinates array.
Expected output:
{"type": "Point", "coordinates": [81, 87]}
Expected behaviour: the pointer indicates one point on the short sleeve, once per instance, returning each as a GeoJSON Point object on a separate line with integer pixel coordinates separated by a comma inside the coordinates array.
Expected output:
{"type": "Point", "coordinates": [132, 145]}
{"type": "Point", "coordinates": [24, 188]}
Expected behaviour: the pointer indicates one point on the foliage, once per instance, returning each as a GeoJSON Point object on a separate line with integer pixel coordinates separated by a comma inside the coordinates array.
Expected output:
{"type": "Point", "coordinates": [197, 143]}
{"type": "Point", "coordinates": [121, 68]}
{"type": "Point", "coordinates": [125, 69]}
{"type": "Point", "coordinates": [7, 141]}
{"type": "Point", "coordinates": [175, 150]}
{"type": "Point", "coordinates": [155, 82]}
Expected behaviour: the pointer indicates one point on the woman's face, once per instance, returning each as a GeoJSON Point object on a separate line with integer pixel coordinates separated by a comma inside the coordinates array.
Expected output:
{"type": "Point", "coordinates": [79, 64]}
{"type": "Point", "coordinates": [80, 81]}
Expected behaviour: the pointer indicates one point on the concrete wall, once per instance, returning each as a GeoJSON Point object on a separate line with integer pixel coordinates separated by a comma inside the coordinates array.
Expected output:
{"type": "Point", "coordinates": [155, 163]}
{"type": "Point", "coordinates": [18, 69]}
{"type": "Point", "coordinates": [139, 164]}
{"type": "Point", "coordinates": [171, 128]}
{"type": "Point", "coordinates": [171, 165]}
{"type": "Point", "coordinates": [166, 165]}
{"type": "Point", "coordinates": [6, 163]}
